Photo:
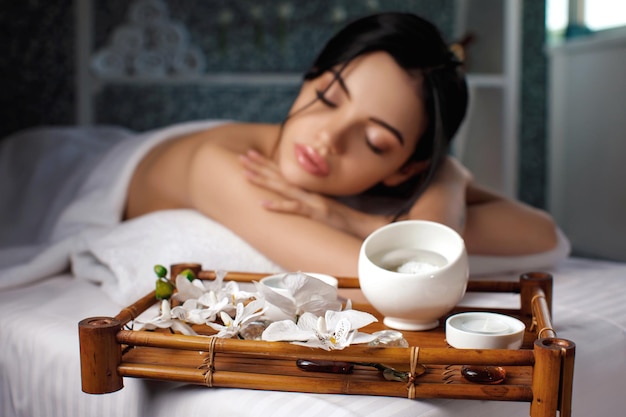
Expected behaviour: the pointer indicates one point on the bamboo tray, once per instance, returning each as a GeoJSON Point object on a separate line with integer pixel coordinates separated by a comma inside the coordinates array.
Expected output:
{"type": "Point", "coordinates": [540, 373]}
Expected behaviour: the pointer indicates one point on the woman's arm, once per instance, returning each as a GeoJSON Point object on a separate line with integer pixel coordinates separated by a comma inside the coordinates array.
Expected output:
{"type": "Point", "coordinates": [294, 200]}
{"type": "Point", "coordinates": [499, 226]}
{"type": "Point", "coordinates": [489, 223]}
{"type": "Point", "coordinates": [218, 189]}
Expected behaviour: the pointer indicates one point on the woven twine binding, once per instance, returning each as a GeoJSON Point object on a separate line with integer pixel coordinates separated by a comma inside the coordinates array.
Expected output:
{"type": "Point", "coordinates": [208, 363]}
{"type": "Point", "coordinates": [415, 354]}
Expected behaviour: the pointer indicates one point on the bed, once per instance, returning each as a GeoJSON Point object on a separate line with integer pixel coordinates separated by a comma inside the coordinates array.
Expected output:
{"type": "Point", "coordinates": [66, 257]}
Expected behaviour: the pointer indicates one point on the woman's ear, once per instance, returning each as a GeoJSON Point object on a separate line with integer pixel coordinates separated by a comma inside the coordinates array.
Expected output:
{"type": "Point", "coordinates": [406, 172]}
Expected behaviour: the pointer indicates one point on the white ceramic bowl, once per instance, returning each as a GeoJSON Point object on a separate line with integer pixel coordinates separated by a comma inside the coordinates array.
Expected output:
{"type": "Point", "coordinates": [478, 330]}
{"type": "Point", "coordinates": [433, 266]}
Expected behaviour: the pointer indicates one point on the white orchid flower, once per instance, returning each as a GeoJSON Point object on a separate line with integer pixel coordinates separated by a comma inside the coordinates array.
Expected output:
{"type": "Point", "coordinates": [334, 331]}
{"type": "Point", "coordinates": [234, 294]}
{"type": "Point", "coordinates": [187, 290]}
{"type": "Point", "coordinates": [196, 312]}
{"type": "Point", "coordinates": [217, 285]}
{"type": "Point", "coordinates": [304, 294]}
{"type": "Point", "coordinates": [215, 289]}
{"type": "Point", "coordinates": [167, 320]}
{"type": "Point", "coordinates": [244, 315]}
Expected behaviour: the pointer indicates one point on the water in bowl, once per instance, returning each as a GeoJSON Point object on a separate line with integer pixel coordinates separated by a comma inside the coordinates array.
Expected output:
{"type": "Point", "coordinates": [410, 261]}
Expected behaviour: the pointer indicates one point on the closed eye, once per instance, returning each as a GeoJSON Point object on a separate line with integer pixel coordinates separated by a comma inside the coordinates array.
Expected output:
{"type": "Point", "coordinates": [322, 97]}
{"type": "Point", "coordinates": [373, 148]}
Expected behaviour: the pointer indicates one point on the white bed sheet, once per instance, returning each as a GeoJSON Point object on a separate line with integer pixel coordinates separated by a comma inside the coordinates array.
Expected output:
{"type": "Point", "coordinates": [40, 371]}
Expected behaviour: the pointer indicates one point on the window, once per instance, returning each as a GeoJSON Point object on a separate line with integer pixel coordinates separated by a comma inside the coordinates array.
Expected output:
{"type": "Point", "coordinates": [605, 14]}
{"type": "Point", "coordinates": [582, 16]}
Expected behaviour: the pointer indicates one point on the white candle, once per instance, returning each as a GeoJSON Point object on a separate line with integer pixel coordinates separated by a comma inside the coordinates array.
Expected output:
{"type": "Point", "coordinates": [486, 325]}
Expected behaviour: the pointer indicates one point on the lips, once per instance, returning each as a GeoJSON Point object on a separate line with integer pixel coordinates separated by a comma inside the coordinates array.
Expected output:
{"type": "Point", "coordinates": [311, 161]}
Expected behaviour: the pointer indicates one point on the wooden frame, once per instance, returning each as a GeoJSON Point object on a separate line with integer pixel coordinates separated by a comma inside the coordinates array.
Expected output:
{"type": "Point", "coordinates": [541, 372]}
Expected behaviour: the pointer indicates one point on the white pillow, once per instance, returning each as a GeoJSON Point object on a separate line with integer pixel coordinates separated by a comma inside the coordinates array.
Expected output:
{"type": "Point", "coordinates": [122, 258]}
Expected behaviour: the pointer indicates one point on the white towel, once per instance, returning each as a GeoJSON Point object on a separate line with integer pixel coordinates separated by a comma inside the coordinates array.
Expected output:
{"type": "Point", "coordinates": [96, 206]}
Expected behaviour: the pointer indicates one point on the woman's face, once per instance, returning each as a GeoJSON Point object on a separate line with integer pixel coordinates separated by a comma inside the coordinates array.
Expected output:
{"type": "Point", "coordinates": [353, 130]}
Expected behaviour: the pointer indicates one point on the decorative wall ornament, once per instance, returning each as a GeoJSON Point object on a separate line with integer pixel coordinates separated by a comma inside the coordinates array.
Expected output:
{"type": "Point", "coordinates": [150, 44]}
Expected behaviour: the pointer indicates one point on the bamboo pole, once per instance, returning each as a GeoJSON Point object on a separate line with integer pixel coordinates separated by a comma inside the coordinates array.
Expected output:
{"type": "Point", "coordinates": [132, 311]}
{"type": "Point", "coordinates": [336, 385]}
{"type": "Point", "coordinates": [355, 353]}
{"type": "Point", "coordinates": [568, 354]}
{"type": "Point", "coordinates": [343, 282]}
{"type": "Point", "coordinates": [552, 377]}
{"type": "Point", "coordinates": [353, 282]}
{"type": "Point", "coordinates": [530, 282]}
{"type": "Point", "coordinates": [541, 314]}
{"type": "Point", "coordinates": [559, 352]}
{"type": "Point", "coordinates": [100, 355]}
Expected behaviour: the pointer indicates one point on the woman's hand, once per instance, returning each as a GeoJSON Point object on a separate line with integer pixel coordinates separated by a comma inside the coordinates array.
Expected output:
{"type": "Point", "coordinates": [264, 173]}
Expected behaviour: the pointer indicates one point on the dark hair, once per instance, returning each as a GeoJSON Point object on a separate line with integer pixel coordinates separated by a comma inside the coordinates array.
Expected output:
{"type": "Point", "coordinates": [417, 46]}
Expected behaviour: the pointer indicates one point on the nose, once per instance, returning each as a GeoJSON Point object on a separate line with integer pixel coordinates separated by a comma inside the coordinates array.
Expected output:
{"type": "Point", "coordinates": [331, 137]}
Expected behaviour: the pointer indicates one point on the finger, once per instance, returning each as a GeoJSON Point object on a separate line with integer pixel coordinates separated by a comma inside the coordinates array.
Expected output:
{"type": "Point", "coordinates": [286, 206]}
{"type": "Point", "coordinates": [261, 168]}
{"type": "Point", "coordinates": [260, 160]}
{"type": "Point", "coordinates": [276, 184]}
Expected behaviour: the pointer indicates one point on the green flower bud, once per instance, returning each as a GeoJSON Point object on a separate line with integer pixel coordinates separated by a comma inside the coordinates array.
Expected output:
{"type": "Point", "coordinates": [189, 274]}
{"type": "Point", "coordinates": [160, 271]}
{"type": "Point", "coordinates": [164, 289]}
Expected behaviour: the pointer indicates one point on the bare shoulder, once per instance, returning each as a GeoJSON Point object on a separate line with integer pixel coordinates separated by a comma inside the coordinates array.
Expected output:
{"type": "Point", "coordinates": [238, 137]}
{"type": "Point", "coordinates": [162, 180]}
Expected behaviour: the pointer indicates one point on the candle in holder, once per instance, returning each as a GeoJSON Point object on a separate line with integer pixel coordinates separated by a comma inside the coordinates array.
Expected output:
{"type": "Point", "coordinates": [482, 330]}
{"type": "Point", "coordinates": [486, 325]}
{"type": "Point", "coordinates": [478, 330]}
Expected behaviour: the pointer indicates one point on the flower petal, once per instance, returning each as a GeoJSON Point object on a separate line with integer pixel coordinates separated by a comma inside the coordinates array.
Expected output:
{"type": "Point", "coordinates": [342, 330]}
{"type": "Point", "coordinates": [356, 318]}
{"type": "Point", "coordinates": [185, 290]}
{"type": "Point", "coordinates": [302, 286]}
{"type": "Point", "coordinates": [183, 328]}
{"type": "Point", "coordinates": [360, 337]}
{"type": "Point", "coordinates": [285, 304]}
{"type": "Point", "coordinates": [318, 306]}
{"type": "Point", "coordinates": [308, 322]}
{"type": "Point", "coordinates": [286, 330]}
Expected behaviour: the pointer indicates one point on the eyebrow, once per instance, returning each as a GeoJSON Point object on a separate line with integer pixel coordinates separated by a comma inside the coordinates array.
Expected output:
{"type": "Point", "coordinates": [390, 128]}
{"type": "Point", "coordinates": [340, 80]}
{"type": "Point", "coordinates": [382, 123]}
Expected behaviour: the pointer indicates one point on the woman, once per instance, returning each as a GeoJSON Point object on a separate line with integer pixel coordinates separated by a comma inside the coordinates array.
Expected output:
{"type": "Point", "coordinates": [373, 119]}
